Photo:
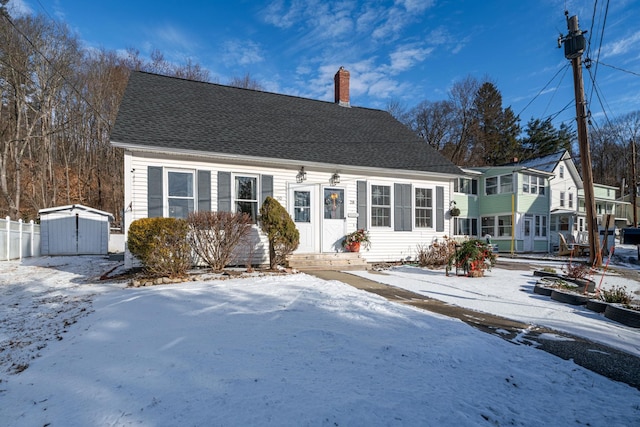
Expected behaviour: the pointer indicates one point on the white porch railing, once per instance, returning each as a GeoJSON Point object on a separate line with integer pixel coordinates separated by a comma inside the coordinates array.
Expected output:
{"type": "Point", "coordinates": [18, 239]}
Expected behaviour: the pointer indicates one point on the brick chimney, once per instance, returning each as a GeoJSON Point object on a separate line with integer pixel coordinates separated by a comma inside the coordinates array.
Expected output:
{"type": "Point", "coordinates": [341, 81]}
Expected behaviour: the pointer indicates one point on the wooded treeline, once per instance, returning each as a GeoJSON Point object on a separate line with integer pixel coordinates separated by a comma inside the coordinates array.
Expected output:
{"type": "Point", "coordinates": [472, 128]}
{"type": "Point", "coordinates": [59, 102]}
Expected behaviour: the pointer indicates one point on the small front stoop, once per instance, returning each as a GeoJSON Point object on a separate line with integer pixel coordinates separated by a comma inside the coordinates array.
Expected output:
{"type": "Point", "coordinates": [328, 261]}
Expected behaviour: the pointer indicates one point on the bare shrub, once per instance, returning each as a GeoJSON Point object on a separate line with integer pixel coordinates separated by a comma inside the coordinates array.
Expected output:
{"type": "Point", "coordinates": [214, 236]}
{"type": "Point", "coordinates": [577, 271]}
{"type": "Point", "coordinates": [436, 254]}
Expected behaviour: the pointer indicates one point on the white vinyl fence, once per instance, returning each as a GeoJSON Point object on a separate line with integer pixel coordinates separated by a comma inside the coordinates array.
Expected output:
{"type": "Point", "coordinates": [18, 239]}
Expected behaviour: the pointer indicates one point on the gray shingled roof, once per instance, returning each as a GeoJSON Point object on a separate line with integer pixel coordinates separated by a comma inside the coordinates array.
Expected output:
{"type": "Point", "coordinates": [169, 113]}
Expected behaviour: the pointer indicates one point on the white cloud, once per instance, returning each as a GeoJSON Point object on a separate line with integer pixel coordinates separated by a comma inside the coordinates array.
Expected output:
{"type": "Point", "coordinates": [281, 16]}
{"type": "Point", "coordinates": [416, 6]}
{"type": "Point", "coordinates": [405, 57]}
{"type": "Point", "coordinates": [630, 43]}
{"type": "Point", "coordinates": [173, 38]}
{"type": "Point", "coordinates": [242, 52]}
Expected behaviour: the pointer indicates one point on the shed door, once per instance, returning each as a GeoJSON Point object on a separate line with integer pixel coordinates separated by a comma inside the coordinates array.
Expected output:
{"type": "Point", "coordinates": [62, 235]}
{"type": "Point", "coordinates": [89, 236]}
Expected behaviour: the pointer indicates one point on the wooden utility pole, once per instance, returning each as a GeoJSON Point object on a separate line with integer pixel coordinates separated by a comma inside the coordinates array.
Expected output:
{"type": "Point", "coordinates": [574, 44]}
{"type": "Point", "coordinates": [634, 183]}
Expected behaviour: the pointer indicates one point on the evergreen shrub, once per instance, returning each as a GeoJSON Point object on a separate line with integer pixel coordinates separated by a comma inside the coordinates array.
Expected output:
{"type": "Point", "coordinates": [161, 246]}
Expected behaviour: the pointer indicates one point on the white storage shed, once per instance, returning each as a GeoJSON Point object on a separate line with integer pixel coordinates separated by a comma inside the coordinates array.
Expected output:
{"type": "Point", "coordinates": [74, 230]}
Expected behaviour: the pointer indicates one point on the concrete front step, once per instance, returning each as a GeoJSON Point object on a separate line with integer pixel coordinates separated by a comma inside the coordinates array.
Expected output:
{"type": "Point", "coordinates": [328, 261]}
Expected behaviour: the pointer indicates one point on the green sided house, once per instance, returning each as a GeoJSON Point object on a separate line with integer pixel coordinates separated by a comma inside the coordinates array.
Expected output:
{"type": "Point", "coordinates": [526, 206]}
{"type": "Point", "coordinates": [508, 203]}
{"type": "Point", "coordinates": [335, 167]}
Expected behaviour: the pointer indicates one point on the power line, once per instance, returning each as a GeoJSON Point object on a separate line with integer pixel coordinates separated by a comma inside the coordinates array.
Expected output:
{"type": "Point", "coordinates": [618, 68]}
{"type": "Point", "coordinates": [564, 68]}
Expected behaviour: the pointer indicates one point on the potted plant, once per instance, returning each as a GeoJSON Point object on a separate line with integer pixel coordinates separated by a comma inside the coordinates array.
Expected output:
{"type": "Point", "coordinates": [353, 241]}
{"type": "Point", "coordinates": [474, 257]}
{"type": "Point", "coordinates": [454, 211]}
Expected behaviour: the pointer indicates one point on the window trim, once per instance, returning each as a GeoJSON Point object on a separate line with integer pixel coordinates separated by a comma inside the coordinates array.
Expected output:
{"type": "Point", "coordinates": [499, 184]}
{"type": "Point", "coordinates": [533, 184]}
{"type": "Point", "coordinates": [496, 227]}
{"type": "Point", "coordinates": [234, 191]}
{"type": "Point", "coordinates": [167, 197]}
{"type": "Point", "coordinates": [540, 227]}
{"type": "Point", "coordinates": [430, 209]}
{"type": "Point", "coordinates": [388, 207]}
{"type": "Point", "coordinates": [458, 187]}
{"type": "Point", "coordinates": [456, 226]}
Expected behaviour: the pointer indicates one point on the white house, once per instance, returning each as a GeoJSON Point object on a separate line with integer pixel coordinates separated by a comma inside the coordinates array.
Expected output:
{"type": "Point", "coordinates": [335, 167]}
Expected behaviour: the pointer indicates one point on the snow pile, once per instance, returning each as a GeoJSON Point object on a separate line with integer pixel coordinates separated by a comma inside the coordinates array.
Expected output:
{"type": "Point", "coordinates": [280, 350]}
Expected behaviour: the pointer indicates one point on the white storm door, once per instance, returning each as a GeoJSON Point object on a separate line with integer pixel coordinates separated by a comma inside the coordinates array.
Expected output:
{"type": "Point", "coordinates": [333, 219]}
{"type": "Point", "coordinates": [305, 215]}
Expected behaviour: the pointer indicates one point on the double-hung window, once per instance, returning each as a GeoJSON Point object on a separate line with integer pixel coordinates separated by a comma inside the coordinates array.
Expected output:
{"type": "Point", "coordinates": [491, 185]}
{"type": "Point", "coordinates": [180, 193]}
{"type": "Point", "coordinates": [504, 226]}
{"type": "Point", "coordinates": [532, 184]}
{"type": "Point", "coordinates": [424, 207]}
{"type": "Point", "coordinates": [246, 195]}
{"type": "Point", "coordinates": [541, 226]}
{"type": "Point", "coordinates": [488, 225]}
{"type": "Point", "coordinates": [465, 226]}
{"type": "Point", "coordinates": [381, 206]}
{"type": "Point", "coordinates": [498, 184]}
{"type": "Point", "coordinates": [499, 226]}
{"type": "Point", "coordinates": [466, 186]}
{"type": "Point", "coordinates": [506, 184]}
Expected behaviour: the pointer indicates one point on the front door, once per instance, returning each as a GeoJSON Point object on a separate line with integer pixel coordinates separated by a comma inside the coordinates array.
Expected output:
{"type": "Point", "coordinates": [333, 222]}
{"type": "Point", "coordinates": [528, 235]}
{"type": "Point", "coordinates": [305, 212]}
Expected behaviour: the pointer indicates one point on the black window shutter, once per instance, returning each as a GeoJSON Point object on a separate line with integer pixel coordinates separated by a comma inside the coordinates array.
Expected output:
{"type": "Point", "coordinates": [267, 187]}
{"type": "Point", "coordinates": [474, 186]}
{"type": "Point", "coordinates": [439, 208]}
{"type": "Point", "coordinates": [204, 191]}
{"type": "Point", "coordinates": [224, 191]}
{"type": "Point", "coordinates": [402, 207]}
{"type": "Point", "coordinates": [154, 192]}
{"type": "Point", "coordinates": [362, 204]}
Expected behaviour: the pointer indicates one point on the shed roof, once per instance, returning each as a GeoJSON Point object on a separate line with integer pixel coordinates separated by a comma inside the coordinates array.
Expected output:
{"type": "Point", "coordinates": [170, 114]}
{"type": "Point", "coordinates": [74, 207]}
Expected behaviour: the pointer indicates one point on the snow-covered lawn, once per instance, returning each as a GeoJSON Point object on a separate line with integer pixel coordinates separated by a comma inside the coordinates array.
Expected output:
{"type": "Point", "coordinates": [277, 350]}
{"type": "Point", "coordinates": [509, 293]}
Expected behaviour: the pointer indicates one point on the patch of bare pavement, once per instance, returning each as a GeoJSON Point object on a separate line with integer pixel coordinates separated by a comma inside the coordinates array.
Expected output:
{"type": "Point", "coordinates": [604, 360]}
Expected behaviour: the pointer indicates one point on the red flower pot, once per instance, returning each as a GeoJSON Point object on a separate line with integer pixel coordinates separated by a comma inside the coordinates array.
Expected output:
{"type": "Point", "coordinates": [353, 247]}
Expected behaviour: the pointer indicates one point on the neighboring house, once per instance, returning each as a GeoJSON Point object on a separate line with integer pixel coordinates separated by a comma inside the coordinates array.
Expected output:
{"type": "Point", "coordinates": [525, 205]}
{"type": "Point", "coordinates": [192, 146]}
{"type": "Point", "coordinates": [565, 186]}
{"type": "Point", "coordinates": [509, 203]}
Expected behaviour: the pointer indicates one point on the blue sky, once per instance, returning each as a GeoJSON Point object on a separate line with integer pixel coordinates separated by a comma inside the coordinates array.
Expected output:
{"type": "Point", "coordinates": [406, 51]}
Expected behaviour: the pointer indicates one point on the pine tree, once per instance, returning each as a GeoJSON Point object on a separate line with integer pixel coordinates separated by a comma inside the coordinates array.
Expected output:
{"type": "Point", "coordinates": [280, 229]}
